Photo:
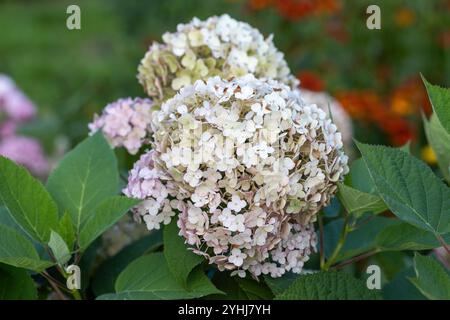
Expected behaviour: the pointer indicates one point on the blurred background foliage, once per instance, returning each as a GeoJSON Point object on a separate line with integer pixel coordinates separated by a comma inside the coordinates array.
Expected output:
{"type": "Point", "coordinates": [71, 75]}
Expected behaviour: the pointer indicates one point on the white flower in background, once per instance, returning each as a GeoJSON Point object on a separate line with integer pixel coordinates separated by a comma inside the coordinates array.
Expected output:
{"type": "Point", "coordinates": [125, 123]}
{"type": "Point", "coordinates": [218, 46]}
{"type": "Point", "coordinates": [329, 104]}
{"type": "Point", "coordinates": [248, 165]}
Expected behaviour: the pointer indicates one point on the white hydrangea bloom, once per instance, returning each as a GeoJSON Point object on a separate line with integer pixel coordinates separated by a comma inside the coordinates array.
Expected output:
{"type": "Point", "coordinates": [218, 46]}
{"type": "Point", "coordinates": [329, 104]}
{"type": "Point", "coordinates": [249, 165]}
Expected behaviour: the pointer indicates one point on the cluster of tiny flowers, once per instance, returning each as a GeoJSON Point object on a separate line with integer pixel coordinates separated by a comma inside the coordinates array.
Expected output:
{"type": "Point", "coordinates": [219, 46]}
{"type": "Point", "coordinates": [334, 110]}
{"type": "Point", "coordinates": [247, 165]}
{"type": "Point", "coordinates": [151, 184]}
{"type": "Point", "coordinates": [16, 109]}
{"type": "Point", "coordinates": [125, 123]}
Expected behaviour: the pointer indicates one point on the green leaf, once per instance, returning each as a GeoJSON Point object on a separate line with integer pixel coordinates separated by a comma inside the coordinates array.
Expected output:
{"type": "Point", "coordinates": [86, 176]}
{"type": "Point", "coordinates": [148, 277]}
{"type": "Point", "coordinates": [328, 286]}
{"type": "Point", "coordinates": [104, 216]}
{"type": "Point", "coordinates": [18, 251]}
{"type": "Point", "coordinates": [400, 288]}
{"type": "Point", "coordinates": [255, 290]}
{"type": "Point", "coordinates": [109, 270]}
{"type": "Point", "coordinates": [359, 241]}
{"type": "Point", "coordinates": [409, 188]}
{"type": "Point", "coordinates": [439, 141]}
{"type": "Point", "coordinates": [279, 285]}
{"type": "Point", "coordinates": [66, 230]}
{"type": "Point", "coordinates": [16, 284]}
{"type": "Point", "coordinates": [27, 201]}
{"type": "Point", "coordinates": [380, 234]}
{"type": "Point", "coordinates": [360, 177]}
{"type": "Point", "coordinates": [228, 284]}
{"type": "Point", "coordinates": [403, 236]}
{"type": "Point", "coordinates": [440, 100]}
{"type": "Point", "coordinates": [59, 248]}
{"type": "Point", "coordinates": [357, 202]}
{"type": "Point", "coordinates": [432, 280]}
{"type": "Point", "coordinates": [180, 259]}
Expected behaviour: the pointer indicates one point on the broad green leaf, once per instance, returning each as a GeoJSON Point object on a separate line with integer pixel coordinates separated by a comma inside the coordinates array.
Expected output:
{"type": "Point", "coordinates": [357, 202]}
{"type": "Point", "coordinates": [104, 216]}
{"type": "Point", "coordinates": [18, 251]}
{"type": "Point", "coordinates": [360, 178]}
{"type": "Point", "coordinates": [107, 273]}
{"type": "Point", "coordinates": [65, 229]}
{"type": "Point", "coordinates": [228, 284]}
{"type": "Point", "coordinates": [359, 241]}
{"type": "Point", "coordinates": [380, 234]}
{"type": "Point", "coordinates": [148, 277]}
{"type": "Point", "coordinates": [255, 290]}
{"type": "Point", "coordinates": [400, 288]}
{"type": "Point", "coordinates": [439, 140]}
{"type": "Point", "coordinates": [403, 236]}
{"type": "Point", "coordinates": [432, 280]}
{"type": "Point", "coordinates": [279, 285]}
{"type": "Point", "coordinates": [333, 209]}
{"type": "Point", "coordinates": [59, 248]}
{"type": "Point", "coordinates": [440, 100]}
{"type": "Point", "coordinates": [409, 188]}
{"type": "Point", "coordinates": [180, 259]}
{"type": "Point", "coordinates": [16, 284]}
{"type": "Point", "coordinates": [328, 286]}
{"type": "Point", "coordinates": [27, 201]}
{"type": "Point", "coordinates": [86, 176]}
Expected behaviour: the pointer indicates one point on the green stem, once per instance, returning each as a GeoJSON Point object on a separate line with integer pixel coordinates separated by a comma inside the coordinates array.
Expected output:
{"type": "Point", "coordinates": [354, 259]}
{"type": "Point", "coordinates": [321, 248]}
{"type": "Point", "coordinates": [76, 294]}
{"type": "Point", "coordinates": [337, 249]}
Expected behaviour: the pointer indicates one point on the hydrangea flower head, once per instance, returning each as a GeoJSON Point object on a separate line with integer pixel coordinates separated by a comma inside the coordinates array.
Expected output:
{"type": "Point", "coordinates": [334, 110]}
{"type": "Point", "coordinates": [247, 166]}
{"type": "Point", "coordinates": [125, 123]}
{"type": "Point", "coordinates": [218, 46]}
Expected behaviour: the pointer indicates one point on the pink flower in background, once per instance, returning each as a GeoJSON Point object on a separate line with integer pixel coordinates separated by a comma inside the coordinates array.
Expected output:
{"type": "Point", "coordinates": [13, 102]}
{"type": "Point", "coordinates": [25, 151]}
{"type": "Point", "coordinates": [16, 108]}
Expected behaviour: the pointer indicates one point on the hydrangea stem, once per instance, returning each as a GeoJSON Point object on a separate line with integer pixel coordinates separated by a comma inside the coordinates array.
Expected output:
{"type": "Point", "coordinates": [321, 248]}
{"type": "Point", "coordinates": [340, 244]}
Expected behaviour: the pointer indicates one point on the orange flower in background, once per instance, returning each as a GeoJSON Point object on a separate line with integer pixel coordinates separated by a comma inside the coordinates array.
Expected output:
{"type": "Point", "coordinates": [444, 39]}
{"type": "Point", "coordinates": [310, 80]}
{"type": "Point", "coordinates": [362, 105]}
{"type": "Point", "coordinates": [409, 98]}
{"type": "Point", "coordinates": [404, 17]}
{"type": "Point", "coordinates": [369, 107]}
{"type": "Point", "coordinates": [399, 130]}
{"type": "Point", "coordinates": [298, 9]}
{"type": "Point", "coordinates": [259, 4]}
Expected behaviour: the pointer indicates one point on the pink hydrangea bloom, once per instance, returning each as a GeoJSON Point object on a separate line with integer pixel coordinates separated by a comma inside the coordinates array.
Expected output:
{"type": "Point", "coordinates": [125, 123]}
{"type": "Point", "coordinates": [145, 182]}
{"type": "Point", "coordinates": [25, 151]}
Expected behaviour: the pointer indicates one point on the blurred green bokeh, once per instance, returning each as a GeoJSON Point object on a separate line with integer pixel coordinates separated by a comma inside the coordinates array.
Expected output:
{"type": "Point", "coordinates": [70, 75]}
